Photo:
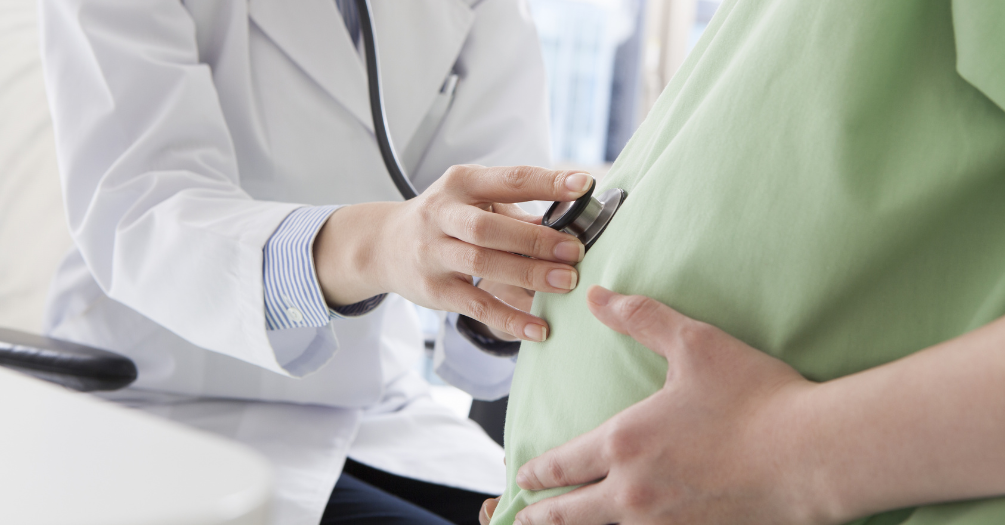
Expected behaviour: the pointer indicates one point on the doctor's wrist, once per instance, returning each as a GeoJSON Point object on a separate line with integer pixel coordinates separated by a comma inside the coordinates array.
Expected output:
{"type": "Point", "coordinates": [346, 255]}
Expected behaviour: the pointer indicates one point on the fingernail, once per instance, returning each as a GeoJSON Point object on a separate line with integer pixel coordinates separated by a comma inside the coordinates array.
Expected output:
{"type": "Point", "coordinates": [521, 478]}
{"type": "Point", "coordinates": [517, 522]}
{"type": "Point", "coordinates": [564, 279]}
{"type": "Point", "coordinates": [599, 295]}
{"type": "Point", "coordinates": [535, 332]}
{"type": "Point", "coordinates": [578, 182]}
{"type": "Point", "coordinates": [570, 251]}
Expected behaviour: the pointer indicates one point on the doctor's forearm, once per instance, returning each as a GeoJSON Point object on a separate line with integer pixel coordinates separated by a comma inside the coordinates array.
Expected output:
{"type": "Point", "coordinates": [927, 428]}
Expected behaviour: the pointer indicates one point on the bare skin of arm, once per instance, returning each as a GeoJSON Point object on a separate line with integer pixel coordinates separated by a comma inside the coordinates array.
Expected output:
{"type": "Point", "coordinates": [737, 436]}
{"type": "Point", "coordinates": [427, 249]}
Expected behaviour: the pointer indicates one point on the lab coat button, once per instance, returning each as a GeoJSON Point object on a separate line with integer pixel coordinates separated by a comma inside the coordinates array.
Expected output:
{"type": "Point", "coordinates": [294, 315]}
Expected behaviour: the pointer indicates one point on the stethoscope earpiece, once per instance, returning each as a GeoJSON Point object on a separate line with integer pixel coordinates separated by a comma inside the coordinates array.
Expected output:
{"type": "Point", "coordinates": [585, 217]}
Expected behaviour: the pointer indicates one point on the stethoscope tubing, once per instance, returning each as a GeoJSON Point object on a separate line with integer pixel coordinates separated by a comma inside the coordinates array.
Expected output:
{"type": "Point", "coordinates": [380, 127]}
{"type": "Point", "coordinates": [586, 219]}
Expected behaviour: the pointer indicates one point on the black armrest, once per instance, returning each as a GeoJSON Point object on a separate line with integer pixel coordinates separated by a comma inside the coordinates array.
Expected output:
{"type": "Point", "coordinates": [69, 364]}
{"type": "Point", "coordinates": [491, 415]}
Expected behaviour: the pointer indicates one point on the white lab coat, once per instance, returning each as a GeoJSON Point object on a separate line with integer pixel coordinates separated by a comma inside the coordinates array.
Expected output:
{"type": "Point", "coordinates": [187, 131]}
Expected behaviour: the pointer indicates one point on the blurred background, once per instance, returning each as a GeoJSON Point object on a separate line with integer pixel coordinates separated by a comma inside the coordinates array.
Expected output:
{"type": "Point", "coordinates": [606, 60]}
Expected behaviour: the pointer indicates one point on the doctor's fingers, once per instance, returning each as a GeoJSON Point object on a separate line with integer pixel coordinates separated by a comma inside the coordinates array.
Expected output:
{"type": "Point", "coordinates": [516, 212]}
{"type": "Point", "coordinates": [507, 268]}
{"type": "Point", "coordinates": [508, 184]}
{"type": "Point", "coordinates": [463, 298]}
{"type": "Point", "coordinates": [589, 505]}
{"type": "Point", "coordinates": [497, 232]}
{"type": "Point", "coordinates": [521, 298]}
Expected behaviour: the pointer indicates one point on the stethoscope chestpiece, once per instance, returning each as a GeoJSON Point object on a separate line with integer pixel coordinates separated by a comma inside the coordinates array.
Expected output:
{"type": "Point", "coordinates": [587, 216]}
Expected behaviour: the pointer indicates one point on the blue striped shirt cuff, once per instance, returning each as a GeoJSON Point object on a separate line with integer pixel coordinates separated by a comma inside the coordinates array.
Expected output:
{"type": "Point", "coordinates": [293, 297]}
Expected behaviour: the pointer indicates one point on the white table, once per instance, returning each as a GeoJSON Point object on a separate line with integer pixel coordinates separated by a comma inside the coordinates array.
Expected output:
{"type": "Point", "coordinates": [69, 458]}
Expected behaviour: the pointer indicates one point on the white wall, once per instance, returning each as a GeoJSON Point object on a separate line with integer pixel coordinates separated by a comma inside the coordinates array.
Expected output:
{"type": "Point", "coordinates": [33, 231]}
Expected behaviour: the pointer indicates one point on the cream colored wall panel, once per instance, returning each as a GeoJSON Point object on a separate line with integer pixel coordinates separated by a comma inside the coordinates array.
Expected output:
{"type": "Point", "coordinates": [33, 231]}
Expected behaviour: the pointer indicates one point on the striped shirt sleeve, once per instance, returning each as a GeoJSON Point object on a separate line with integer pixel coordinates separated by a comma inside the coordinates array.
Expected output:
{"type": "Point", "coordinates": [293, 297]}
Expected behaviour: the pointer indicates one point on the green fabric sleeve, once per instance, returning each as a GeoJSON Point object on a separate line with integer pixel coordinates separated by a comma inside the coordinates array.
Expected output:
{"type": "Point", "coordinates": [980, 45]}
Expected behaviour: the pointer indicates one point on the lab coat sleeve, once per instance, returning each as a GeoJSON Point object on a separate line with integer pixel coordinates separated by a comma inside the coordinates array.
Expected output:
{"type": "Point", "coordinates": [293, 296]}
{"type": "Point", "coordinates": [460, 363]}
{"type": "Point", "coordinates": [500, 67]}
{"type": "Point", "coordinates": [150, 175]}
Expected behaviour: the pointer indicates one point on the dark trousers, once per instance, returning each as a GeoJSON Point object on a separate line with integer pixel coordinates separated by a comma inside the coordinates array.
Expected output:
{"type": "Point", "coordinates": [367, 496]}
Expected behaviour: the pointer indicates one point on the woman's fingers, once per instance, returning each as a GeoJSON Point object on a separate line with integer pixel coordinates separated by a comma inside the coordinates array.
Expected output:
{"type": "Point", "coordinates": [516, 183]}
{"type": "Point", "coordinates": [498, 232]}
{"type": "Point", "coordinates": [488, 509]}
{"type": "Point", "coordinates": [507, 268]}
{"type": "Point", "coordinates": [645, 319]}
{"type": "Point", "coordinates": [583, 506]}
{"type": "Point", "coordinates": [579, 461]}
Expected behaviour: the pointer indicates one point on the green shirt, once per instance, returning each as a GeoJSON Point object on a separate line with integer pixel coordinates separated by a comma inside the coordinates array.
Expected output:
{"type": "Point", "coordinates": [824, 180]}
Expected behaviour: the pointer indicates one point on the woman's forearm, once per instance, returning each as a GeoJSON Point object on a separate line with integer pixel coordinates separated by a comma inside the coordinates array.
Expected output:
{"type": "Point", "coordinates": [926, 428]}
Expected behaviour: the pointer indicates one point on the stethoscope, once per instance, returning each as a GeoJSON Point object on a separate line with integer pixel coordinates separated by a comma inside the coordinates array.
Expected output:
{"type": "Point", "coordinates": [586, 217]}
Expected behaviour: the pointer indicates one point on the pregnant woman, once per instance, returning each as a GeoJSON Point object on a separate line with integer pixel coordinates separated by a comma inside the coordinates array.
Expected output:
{"type": "Point", "coordinates": [816, 213]}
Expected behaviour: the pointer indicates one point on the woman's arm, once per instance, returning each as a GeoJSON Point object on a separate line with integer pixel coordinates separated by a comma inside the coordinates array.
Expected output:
{"type": "Point", "coordinates": [926, 428]}
{"type": "Point", "coordinates": [738, 436]}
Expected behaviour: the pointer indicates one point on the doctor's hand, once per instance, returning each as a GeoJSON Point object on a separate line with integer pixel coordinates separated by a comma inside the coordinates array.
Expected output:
{"type": "Point", "coordinates": [466, 224]}
{"type": "Point", "coordinates": [520, 298]}
{"type": "Point", "coordinates": [715, 445]}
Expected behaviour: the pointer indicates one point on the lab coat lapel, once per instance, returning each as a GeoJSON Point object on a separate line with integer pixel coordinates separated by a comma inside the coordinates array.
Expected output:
{"type": "Point", "coordinates": [418, 42]}
{"type": "Point", "coordinates": [312, 34]}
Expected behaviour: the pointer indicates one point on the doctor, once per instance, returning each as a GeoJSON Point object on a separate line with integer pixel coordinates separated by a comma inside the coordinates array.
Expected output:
{"type": "Point", "coordinates": [206, 147]}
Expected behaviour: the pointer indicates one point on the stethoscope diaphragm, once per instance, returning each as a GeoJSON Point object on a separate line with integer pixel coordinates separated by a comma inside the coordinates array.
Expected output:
{"type": "Point", "coordinates": [586, 217]}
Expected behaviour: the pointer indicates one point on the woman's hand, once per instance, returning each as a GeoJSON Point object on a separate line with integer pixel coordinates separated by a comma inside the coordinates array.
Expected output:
{"type": "Point", "coordinates": [718, 444]}
{"type": "Point", "coordinates": [427, 249]}
{"type": "Point", "coordinates": [737, 436]}
{"type": "Point", "coordinates": [488, 509]}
